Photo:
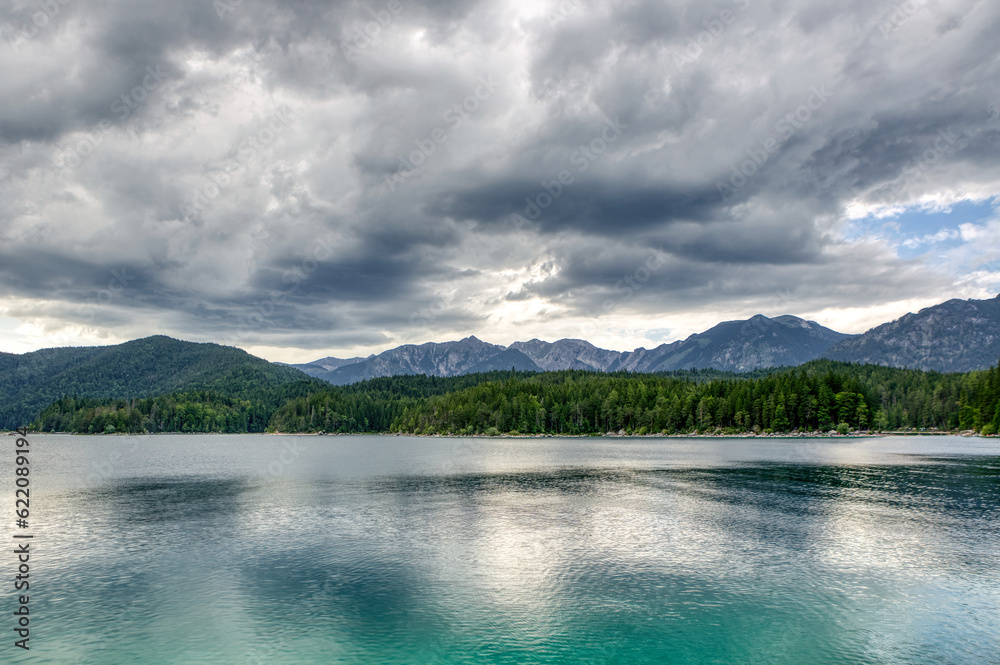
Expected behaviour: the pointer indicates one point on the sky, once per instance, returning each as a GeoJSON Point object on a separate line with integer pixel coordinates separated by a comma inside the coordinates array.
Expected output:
{"type": "Point", "coordinates": [303, 179]}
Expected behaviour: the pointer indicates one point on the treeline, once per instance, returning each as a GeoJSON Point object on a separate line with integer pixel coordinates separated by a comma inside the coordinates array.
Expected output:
{"type": "Point", "coordinates": [914, 399]}
{"type": "Point", "coordinates": [375, 405]}
{"type": "Point", "coordinates": [247, 406]}
{"type": "Point", "coordinates": [572, 403]}
{"type": "Point", "coordinates": [382, 404]}
{"type": "Point", "coordinates": [818, 396]}
{"type": "Point", "coordinates": [181, 412]}
{"type": "Point", "coordinates": [244, 410]}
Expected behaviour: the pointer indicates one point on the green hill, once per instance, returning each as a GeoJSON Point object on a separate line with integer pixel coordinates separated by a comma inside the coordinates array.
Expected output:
{"type": "Point", "coordinates": [141, 368]}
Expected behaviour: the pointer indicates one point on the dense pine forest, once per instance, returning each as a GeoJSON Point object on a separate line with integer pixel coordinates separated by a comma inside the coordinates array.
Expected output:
{"type": "Point", "coordinates": [819, 396]}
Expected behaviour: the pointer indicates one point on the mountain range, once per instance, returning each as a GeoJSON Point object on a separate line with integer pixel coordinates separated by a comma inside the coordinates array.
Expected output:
{"type": "Point", "coordinates": [736, 346]}
{"type": "Point", "coordinates": [955, 336]}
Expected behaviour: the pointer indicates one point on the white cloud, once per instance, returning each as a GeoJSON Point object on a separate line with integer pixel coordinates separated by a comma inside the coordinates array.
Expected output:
{"type": "Point", "coordinates": [932, 238]}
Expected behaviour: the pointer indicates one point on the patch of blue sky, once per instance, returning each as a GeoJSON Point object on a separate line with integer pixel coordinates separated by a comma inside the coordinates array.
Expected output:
{"type": "Point", "coordinates": [661, 335]}
{"type": "Point", "coordinates": [920, 230]}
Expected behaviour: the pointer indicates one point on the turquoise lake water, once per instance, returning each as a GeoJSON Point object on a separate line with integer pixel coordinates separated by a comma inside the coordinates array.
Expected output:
{"type": "Point", "coordinates": [274, 549]}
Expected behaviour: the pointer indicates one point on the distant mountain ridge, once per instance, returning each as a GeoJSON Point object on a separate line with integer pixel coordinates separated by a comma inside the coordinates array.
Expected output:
{"type": "Point", "coordinates": [567, 354]}
{"type": "Point", "coordinates": [735, 346]}
{"type": "Point", "coordinates": [465, 356]}
{"type": "Point", "coordinates": [739, 346]}
{"type": "Point", "coordinates": [955, 336]}
{"type": "Point", "coordinates": [323, 365]}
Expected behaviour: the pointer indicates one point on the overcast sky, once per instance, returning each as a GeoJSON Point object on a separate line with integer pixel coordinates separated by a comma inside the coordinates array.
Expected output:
{"type": "Point", "coordinates": [307, 178]}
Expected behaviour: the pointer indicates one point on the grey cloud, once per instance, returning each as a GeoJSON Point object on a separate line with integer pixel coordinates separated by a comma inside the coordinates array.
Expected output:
{"type": "Point", "coordinates": [439, 252]}
{"type": "Point", "coordinates": [587, 205]}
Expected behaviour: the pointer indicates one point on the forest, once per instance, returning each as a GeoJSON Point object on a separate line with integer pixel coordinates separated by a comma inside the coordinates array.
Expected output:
{"type": "Point", "coordinates": [819, 396]}
{"type": "Point", "coordinates": [146, 367]}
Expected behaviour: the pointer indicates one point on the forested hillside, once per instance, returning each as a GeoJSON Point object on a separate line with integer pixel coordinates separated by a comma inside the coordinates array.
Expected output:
{"type": "Point", "coordinates": [818, 396]}
{"type": "Point", "coordinates": [369, 406]}
{"type": "Point", "coordinates": [140, 368]}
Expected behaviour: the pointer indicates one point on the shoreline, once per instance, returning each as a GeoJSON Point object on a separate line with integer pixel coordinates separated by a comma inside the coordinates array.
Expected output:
{"type": "Point", "coordinates": [694, 435]}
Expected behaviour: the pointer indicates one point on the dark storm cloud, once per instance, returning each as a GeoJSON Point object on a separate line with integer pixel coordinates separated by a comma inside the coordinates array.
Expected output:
{"type": "Point", "coordinates": [359, 278]}
{"type": "Point", "coordinates": [119, 40]}
{"type": "Point", "coordinates": [592, 206]}
{"type": "Point", "coordinates": [443, 160]}
{"type": "Point", "coordinates": [74, 279]}
{"type": "Point", "coordinates": [118, 45]}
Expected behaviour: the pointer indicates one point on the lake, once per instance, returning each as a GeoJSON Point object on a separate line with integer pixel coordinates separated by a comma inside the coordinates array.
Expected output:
{"type": "Point", "coordinates": [382, 549]}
